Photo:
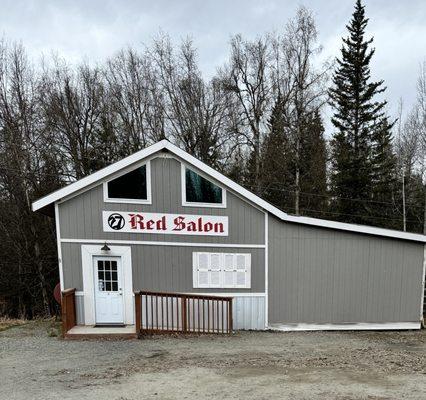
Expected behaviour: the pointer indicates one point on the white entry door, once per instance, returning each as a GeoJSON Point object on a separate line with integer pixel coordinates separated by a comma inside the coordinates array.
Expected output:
{"type": "Point", "coordinates": [108, 280]}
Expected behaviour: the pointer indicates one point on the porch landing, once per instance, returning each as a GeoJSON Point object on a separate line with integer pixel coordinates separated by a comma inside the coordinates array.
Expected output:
{"type": "Point", "coordinates": [102, 332]}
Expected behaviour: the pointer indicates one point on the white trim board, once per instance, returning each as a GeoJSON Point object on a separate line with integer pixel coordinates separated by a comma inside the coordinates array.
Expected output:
{"type": "Point", "coordinates": [360, 326]}
{"type": "Point", "coordinates": [225, 294]}
{"type": "Point", "coordinates": [87, 254]}
{"type": "Point", "coordinates": [423, 285]}
{"type": "Point", "coordinates": [266, 268]}
{"type": "Point", "coordinates": [166, 145]}
{"type": "Point", "coordinates": [156, 243]}
{"type": "Point", "coordinates": [58, 245]}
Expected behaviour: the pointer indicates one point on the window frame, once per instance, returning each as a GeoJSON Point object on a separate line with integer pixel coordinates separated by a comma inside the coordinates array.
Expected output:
{"type": "Point", "coordinates": [197, 204]}
{"type": "Point", "coordinates": [148, 199]}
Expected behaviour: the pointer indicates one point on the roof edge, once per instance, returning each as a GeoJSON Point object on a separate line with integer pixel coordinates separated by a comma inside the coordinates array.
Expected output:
{"type": "Point", "coordinates": [165, 144]}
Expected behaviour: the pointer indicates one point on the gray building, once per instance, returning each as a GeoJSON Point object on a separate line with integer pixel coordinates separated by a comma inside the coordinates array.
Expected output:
{"type": "Point", "coordinates": [161, 220]}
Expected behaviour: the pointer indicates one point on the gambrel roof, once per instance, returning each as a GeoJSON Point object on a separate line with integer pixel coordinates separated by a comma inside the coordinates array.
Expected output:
{"type": "Point", "coordinates": [165, 145]}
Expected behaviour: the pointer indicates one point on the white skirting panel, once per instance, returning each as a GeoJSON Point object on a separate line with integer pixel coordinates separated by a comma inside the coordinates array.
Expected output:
{"type": "Point", "coordinates": [79, 308]}
{"type": "Point", "coordinates": [361, 326]}
{"type": "Point", "coordinates": [248, 312]}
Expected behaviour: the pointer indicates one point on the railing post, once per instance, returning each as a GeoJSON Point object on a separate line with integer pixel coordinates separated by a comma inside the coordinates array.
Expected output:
{"type": "Point", "coordinates": [230, 322]}
{"type": "Point", "coordinates": [184, 313]}
{"type": "Point", "coordinates": [64, 313]}
{"type": "Point", "coordinates": [138, 313]}
{"type": "Point", "coordinates": [68, 311]}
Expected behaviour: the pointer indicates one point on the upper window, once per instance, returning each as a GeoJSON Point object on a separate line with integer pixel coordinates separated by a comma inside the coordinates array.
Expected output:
{"type": "Point", "coordinates": [198, 190]}
{"type": "Point", "coordinates": [130, 187]}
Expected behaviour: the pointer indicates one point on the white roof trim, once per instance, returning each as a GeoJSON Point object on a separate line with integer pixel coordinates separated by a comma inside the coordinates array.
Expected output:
{"type": "Point", "coordinates": [165, 144]}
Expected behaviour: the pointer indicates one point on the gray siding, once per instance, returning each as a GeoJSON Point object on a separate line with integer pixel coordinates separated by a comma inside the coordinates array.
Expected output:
{"type": "Point", "coordinates": [163, 268]}
{"type": "Point", "coordinates": [319, 275]}
{"type": "Point", "coordinates": [81, 216]}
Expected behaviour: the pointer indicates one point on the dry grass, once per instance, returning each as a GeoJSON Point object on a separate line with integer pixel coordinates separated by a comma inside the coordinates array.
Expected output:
{"type": "Point", "coordinates": [6, 323]}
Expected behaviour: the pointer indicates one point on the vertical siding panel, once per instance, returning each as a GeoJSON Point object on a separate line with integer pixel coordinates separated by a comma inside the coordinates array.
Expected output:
{"type": "Point", "coordinates": [325, 276]}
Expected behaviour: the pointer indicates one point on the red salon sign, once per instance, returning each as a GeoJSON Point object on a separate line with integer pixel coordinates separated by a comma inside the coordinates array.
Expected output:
{"type": "Point", "coordinates": [174, 224]}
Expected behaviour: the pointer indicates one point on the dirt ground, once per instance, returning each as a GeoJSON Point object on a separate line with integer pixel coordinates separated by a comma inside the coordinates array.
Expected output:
{"type": "Point", "coordinates": [246, 365]}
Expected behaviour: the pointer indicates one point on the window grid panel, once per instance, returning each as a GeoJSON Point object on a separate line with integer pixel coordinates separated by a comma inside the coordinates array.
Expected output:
{"type": "Point", "coordinates": [107, 276]}
{"type": "Point", "coordinates": [227, 270]}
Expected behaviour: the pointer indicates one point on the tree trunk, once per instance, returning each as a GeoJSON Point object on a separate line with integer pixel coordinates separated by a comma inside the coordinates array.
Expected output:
{"type": "Point", "coordinates": [404, 216]}
{"type": "Point", "coordinates": [424, 213]}
{"type": "Point", "coordinates": [297, 175]}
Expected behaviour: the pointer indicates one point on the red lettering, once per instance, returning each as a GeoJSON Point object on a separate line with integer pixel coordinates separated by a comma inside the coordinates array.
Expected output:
{"type": "Point", "coordinates": [150, 224]}
{"type": "Point", "coordinates": [136, 221]}
{"type": "Point", "coordinates": [161, 224]}
{"type": "Point", "coordinates": [208, 226]}
{"type": "Point", "coordinates": [218, 227]}
{"type": "Point", "coordinates": [191, 227]}
{"type": "Point", "coordinates": [179, 223]}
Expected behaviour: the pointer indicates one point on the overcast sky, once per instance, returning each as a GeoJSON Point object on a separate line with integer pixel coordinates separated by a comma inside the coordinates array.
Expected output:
{"type": "Point", "coordinates": [92, 30]}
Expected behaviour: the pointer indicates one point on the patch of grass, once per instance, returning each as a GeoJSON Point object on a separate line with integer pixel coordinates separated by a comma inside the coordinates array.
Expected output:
{"type": "Point", "coordinates": [6, 323]}
{"type": "Point", "coordinates": [53, 327]}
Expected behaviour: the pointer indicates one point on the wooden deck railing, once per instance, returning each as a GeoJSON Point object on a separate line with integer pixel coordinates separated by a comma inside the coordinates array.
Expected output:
{"type": "Point", "coordinates": [159, 312]}
{"type": "Point", "coordinates": [68, 310]}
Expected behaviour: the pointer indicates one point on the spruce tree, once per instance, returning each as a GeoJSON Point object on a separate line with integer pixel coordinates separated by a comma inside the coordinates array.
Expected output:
{"type": "Point", "coordinates": [313, 166]}
{"type": "Point", "coordinates": [279, 162]}
{"type": "Point", "coordinates": [357, 115]}
{"type": "Point", "coordinates": [277, 175]}
{"type": "Point", "coordinates": [384, 178]}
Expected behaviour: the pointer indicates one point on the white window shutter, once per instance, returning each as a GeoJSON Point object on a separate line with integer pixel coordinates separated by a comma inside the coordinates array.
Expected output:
{"type": "Point", "coordinates": [248, 271]}
{"type": "Point", "coordinates": [243, 271]}
{"type": "Point", "coordinates": [215, 270]}
{"type": "Point", "coordinates": [201, 270]}
{"type": "Point", "coordinates": [228, 270]}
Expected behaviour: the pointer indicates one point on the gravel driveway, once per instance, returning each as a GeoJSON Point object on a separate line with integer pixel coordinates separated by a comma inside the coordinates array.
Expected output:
{"type": "Point", "coordinates": [246, 365]}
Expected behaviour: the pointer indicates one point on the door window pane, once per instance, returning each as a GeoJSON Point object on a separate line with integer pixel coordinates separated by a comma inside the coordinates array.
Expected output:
{"type": "Point", "coordinates": [107, 276]}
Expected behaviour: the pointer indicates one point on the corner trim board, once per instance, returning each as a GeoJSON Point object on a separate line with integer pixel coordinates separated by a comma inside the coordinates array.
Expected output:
{"type": "Point", "coordinates": [423, 285]}
{"type": "Point", "coordinates": [266, 268]}
{"type": "Point", "coordinates": [59, 247]}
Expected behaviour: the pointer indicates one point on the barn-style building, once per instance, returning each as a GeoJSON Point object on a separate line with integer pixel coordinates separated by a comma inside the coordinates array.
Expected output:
{"type": "Point", "coordinates": [161, 227]}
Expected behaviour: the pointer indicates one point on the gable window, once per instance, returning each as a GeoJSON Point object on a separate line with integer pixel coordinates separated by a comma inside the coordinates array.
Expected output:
{"type": "Point", "coordinates": [199, 191]}
{"type": "Point", "coordinates": [131, 187]}
{"type": "Point", "coordinates": [221, 270]}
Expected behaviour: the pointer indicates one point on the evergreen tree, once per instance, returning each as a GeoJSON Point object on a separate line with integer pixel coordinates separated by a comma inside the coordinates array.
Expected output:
{"type": "Point", "coordinates": [313, 162]}
{"type": "Point", "coordinates": [279, 161]}
{"type": "Point", "coordinates": [357, 116]}
{"type": "Point", "coordinates": [384, 177]}
{"type": "Point", "coordinates": [277, 175]}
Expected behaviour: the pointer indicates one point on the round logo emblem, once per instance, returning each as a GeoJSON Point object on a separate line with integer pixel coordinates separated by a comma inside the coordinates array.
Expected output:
{"type": "Point", "coordinates": [116, 221]}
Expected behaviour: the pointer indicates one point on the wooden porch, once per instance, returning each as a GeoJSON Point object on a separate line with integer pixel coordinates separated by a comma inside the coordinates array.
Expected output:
{"type": "Point", "coordinates": [156, 312]}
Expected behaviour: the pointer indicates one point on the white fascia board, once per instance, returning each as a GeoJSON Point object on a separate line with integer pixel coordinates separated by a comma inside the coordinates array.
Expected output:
{"type": "Point", "coordinates": [355, 228]}
{"type": "Point", "coordinates": [97, 176]}
{"type": "Point", "coordinates": [284, 216]}
{"type": "Point", "coordinates": [225, 181]}
{"type": "Point", "coordinates": [165, 144]}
